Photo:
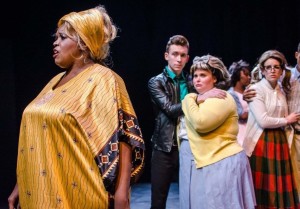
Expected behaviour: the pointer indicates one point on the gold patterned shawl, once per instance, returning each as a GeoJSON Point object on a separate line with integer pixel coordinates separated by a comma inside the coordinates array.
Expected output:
{"type": "Point", "coordinates": [70, 135]}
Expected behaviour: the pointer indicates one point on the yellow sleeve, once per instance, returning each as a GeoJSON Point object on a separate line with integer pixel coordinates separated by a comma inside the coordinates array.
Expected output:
{"type": "Point", "coordinates": [208, 115]}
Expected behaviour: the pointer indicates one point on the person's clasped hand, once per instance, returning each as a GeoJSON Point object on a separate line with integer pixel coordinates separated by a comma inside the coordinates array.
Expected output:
{"type": "Point", "coordinates": [249, 94]}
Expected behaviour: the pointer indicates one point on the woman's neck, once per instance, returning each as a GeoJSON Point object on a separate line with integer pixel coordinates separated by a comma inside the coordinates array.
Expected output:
{"type": "Point", "coordinates": [273, 84]}
{"type": "Point", "coordinates": [239, 88]}
{"type": "Point", "coordinates": [77, 68]}
{"type": "Point", "coordinates": [71, 73]}
{"type": "Point", "coordinates": [298, 67]}
{"type": "Point", "coordinates": [203, 92]}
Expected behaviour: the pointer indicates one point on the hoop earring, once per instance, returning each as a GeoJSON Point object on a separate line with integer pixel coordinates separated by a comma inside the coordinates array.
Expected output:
{"type": "Point", "coordinates": [80, 57]}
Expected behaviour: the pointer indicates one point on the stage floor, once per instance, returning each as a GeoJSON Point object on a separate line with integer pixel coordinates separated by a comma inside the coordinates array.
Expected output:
{"type": "Point", "coordinates": [141, 196]}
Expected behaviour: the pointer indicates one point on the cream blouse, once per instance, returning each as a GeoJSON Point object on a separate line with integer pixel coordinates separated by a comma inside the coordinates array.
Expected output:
{"type": "Point", "coordinates": [267, 110]}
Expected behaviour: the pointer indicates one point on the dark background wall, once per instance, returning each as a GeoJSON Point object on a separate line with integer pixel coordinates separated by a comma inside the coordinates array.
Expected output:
{"type": "Point", "coordinates": [229, 29]}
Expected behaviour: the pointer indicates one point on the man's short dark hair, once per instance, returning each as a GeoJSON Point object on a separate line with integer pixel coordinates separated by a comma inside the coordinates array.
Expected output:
{"type": "Point", "coordinates": [177, 40]}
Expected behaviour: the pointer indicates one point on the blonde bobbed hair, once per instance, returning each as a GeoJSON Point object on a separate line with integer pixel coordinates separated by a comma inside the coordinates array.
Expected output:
{"type": "Point", "coordinates": [216, 66]}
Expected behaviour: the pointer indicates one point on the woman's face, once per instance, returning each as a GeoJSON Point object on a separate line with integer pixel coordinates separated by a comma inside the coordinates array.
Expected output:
{"type": "Point", "coordinates": [65, 51]}
{"type": "Point", "coordinates": [203, 80]}
{"type": "Point", "coordinates": [297, 56]}
{"type": "Point", "coordinates": [245, 77]}
{"type": "Point", "coordinates": [272, 71]}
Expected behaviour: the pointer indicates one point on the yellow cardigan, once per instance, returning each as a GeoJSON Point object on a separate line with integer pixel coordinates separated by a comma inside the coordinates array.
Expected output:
{"type": "Point", "coordinates": [212, 128]}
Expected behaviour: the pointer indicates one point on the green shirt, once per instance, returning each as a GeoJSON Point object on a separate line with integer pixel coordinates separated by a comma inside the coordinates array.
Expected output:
{"type": "Point", "coordinates": [182, 82]}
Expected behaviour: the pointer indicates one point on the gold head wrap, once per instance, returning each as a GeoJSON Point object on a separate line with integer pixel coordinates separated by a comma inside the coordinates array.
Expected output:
{"type": "Point", "coordinates": [89, 25]}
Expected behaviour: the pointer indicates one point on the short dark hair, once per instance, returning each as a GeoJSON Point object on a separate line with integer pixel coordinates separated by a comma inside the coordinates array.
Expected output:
{"type": "Point", "coordinates": [235, 71]}
{"type": "Point", "coordinates": [177, 40]}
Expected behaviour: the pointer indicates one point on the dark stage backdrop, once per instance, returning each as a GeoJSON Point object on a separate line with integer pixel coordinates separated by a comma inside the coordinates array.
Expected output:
{"type": "Point", "coordinates": [231, 30]}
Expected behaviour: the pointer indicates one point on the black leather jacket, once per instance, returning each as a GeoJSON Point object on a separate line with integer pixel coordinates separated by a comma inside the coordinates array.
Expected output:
{"type": "Point", "coordinates": [163, 95]}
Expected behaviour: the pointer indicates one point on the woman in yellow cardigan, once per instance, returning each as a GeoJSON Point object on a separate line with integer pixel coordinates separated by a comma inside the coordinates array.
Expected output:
{"type": "Point", "coordinates": [220, 172]}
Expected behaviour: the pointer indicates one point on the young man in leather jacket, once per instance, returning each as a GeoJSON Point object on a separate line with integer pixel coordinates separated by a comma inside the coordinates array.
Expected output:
{"type": "Point", "coordinates": [166, 91]}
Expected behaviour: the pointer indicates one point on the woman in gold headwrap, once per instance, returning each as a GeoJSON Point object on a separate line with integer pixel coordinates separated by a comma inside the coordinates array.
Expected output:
{"type": "Point", "coordinates": [80, 144]}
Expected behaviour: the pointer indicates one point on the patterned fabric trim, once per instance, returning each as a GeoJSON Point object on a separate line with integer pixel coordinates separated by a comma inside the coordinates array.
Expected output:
{"type": "Point", "coordinates": [108, 159]}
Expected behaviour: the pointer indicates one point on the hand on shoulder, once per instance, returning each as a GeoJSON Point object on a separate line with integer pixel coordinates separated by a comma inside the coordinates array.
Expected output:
{"type": "Point", "coordinates": [249, 94]}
